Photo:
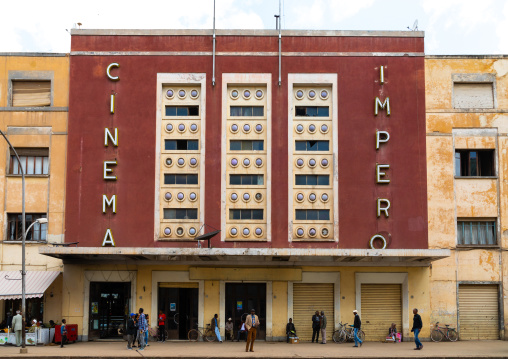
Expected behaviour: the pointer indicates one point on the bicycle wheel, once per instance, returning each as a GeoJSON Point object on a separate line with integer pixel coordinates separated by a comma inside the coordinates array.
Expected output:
{"type": "Point", "coordinates": [453, 335]}
{"type": "Point", "coordinates": [361, 335]}
{"type": "Point", "coordinates": [193, 335]}
{"type": "Point", "coordinates": [210, 336]}
{"type": "Point", "coordinates": [338, 336]}
{"type": "Point", "coordinates": [436, 335]}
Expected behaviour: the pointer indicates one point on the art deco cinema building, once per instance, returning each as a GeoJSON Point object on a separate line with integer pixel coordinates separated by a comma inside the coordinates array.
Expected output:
{"type": "Point", "coordinates": [310, 161]}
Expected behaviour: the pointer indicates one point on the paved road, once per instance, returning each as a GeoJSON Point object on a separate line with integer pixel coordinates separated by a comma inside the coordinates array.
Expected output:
{"type": "Point", "coordinates": [184, 349]}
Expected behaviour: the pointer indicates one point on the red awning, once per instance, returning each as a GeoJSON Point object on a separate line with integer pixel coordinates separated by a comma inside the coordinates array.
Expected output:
{"type": "Point", "coordinates": [36, 283]}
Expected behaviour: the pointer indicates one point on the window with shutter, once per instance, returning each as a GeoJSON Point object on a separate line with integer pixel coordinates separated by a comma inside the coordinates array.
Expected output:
{"type": "Point", "coordinates": [31, 93]}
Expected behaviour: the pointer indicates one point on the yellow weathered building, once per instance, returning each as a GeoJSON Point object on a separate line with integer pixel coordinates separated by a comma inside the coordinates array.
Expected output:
{"type": "Point", "coordinates": [467, 168]}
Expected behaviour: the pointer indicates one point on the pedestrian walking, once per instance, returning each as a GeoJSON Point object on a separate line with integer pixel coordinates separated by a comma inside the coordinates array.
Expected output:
{"type": "Point", "coordinates": [315, 326]}
{"type": "Point", "coordinates": [142, 327]}
{"type": "Point", "coordinates": [63, 333]}
{"type": "Point", "coordinates": [131, 331]}
{"type": "Point", "coordinates": [215, 327]}
{"type": "Point", "coordinates": [251, 324]}
{"type": "Point", "coordinates": [417, 327]}
{"type": "Point", "coordinates": [323, 327]}
{"type": "Point", "coordinates": [17, 326]}
{"type": "Point", "coordinates": [357, 325]}
{"type": "Point", "coordinates": [162, 326]}
{"type": "Point", "coordinates": [147, 317]}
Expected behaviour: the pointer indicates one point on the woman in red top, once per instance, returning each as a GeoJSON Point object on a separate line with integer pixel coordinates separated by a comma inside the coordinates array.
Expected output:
{"type": "Point", "coordinates": [162, 326]}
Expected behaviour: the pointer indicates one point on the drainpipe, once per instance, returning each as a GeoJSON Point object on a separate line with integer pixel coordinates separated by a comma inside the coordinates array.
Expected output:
{"type": "Point", "coordinates": [213, 66]}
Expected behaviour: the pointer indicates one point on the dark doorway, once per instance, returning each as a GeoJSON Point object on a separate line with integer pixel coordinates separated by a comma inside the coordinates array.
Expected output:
{"type": "Point", "coordinates": [109, 309]}
{"type": "Point", "coordinates": [240, 299]}
{"type": "Point", "coordinates": [180, 306]}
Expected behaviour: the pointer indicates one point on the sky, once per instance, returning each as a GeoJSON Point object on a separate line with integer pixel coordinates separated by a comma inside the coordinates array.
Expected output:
{"type": "Point", "coordinates": [452, 27]}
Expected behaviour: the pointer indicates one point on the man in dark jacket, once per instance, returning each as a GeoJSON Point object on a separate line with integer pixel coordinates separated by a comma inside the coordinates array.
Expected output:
{"type": "Point", "coordinates": [131, 331]}
{"type": "Point", "coordinates": [323, 327]}
{"type": "Point", "coordinates": [9, 320]}
{"type": "Point", "coordinates": [290, 330]}
{"type": "Point", "coordinates": [357, 325]}
{"type": "Point", "coordinates": [417, 327]}
{"type": "Point", "coordinates": [315, 326]}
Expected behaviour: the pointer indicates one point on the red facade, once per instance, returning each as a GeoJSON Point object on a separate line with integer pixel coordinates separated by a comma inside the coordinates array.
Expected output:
{"type": "Point", "coordinates": [135, 118]}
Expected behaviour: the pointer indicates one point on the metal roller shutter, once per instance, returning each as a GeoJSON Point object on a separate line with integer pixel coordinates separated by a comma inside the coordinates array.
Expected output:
{"type": "Point", "coordinates": [307, 298]}
{"type": "Point", "coordinates": [381, 306]}
{"type": "Point", "coordinates": [478, 312]}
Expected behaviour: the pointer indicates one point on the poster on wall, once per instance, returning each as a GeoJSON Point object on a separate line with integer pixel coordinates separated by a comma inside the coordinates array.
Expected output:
{"type": "Point", "coordinates": [172, 307]}
{"type": "Point", "coordinates": [95, 307]}
{"type": "Point", "coordinates": [239, 305]}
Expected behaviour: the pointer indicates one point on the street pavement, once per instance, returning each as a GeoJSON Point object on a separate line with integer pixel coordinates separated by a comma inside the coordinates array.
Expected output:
{"type": "Point", "coordinates": [185, 349]}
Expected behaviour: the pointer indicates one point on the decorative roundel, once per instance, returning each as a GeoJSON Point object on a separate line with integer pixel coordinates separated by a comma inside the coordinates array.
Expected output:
{"type": "Point", "coordinates": [312, 197]}
{"type": "Point", "coordinates": [180, 196]}
{"type": "Point", "coordinates": [168, 196]}
{"type": "Point", "coordinates": [324, 232]}
{"type": "Point", "coordinates": [194, 93]}
{"type": "Point", "coordinates": [168, 162]}
{"type": "Point", "coordinates": [311, 94]}
{"type": "Point", "coordinates": [233, 197]}
{"type": "Point", "coordinates": [246, 94]}
{"type": "Point", "coordinates": [180, 231]}
{"type": "Point", "coordinates": [312, 162]}
{"type": "Point", "coordinates": [323, 94]}
{"type": "Point", "coordinates": [324, 129]}
{"type": "Point", "coordinates": [167, 231]}
{"type": "Point", "coordinates": [324, 162]}
{"type": "Point", "coordinates": [246, 162]}
{"type": "Point", "coordinates": [193, 128]}
{"type": "Point", "coordinates": [258, 128]}
{"type": "Point", "coordinates": [258, 197]}
{"type": "Point", "coordinates": [192, 231]}
{"type": "Point", "coordinates": [300, 232]}
{"type": "Point", "coordinates": [169, 127]}
{"type": "Point", "coordinates": [246, 128]}
{"type": "Point", "coordinates": [182, 93]}
{"type": "Point", "coordinates": [259, 162]}
{"type": "Point", "coordinates": [312, 232]}
{"type": "Point", "coordinates": [259, 94]}
{"type": "Point", "coordinates": [258, 232]}
{"type": "Point", "coordinates": [234, 94]}
{"type": "Point", "coordinates": [324, 197]}
{"type": "Point", "coordinates": [181, 162]}
{"type": "Point", "coordinates": [299, 94]}
{"type": "Point", "coordinates": [234, 128]}
{"type": "Point", "coordinates": [181, 127]}
{"type": "Point", "coordinates": [312, 128]}
{"type": "Point", "coordinates": [299, 197]}
{"type": "Point", "coordinates": [170, 93]}
{"type": "Point", "coordinates": [245, 232]}
{"type": "Point", "coordinates": [234, 162]}
{"type": "Point", "coordinates": [299, 128]}
{"type": "Point", "coordinates": [193, 196]}
{"type": "Point", "coordinates": [233, 232]}
{"type": "Point", "coordinates": [299, 162]}
{"type": "Point", "coordinates": [246, 197]}
{"type": "Point", "coordinates": [193, 162]}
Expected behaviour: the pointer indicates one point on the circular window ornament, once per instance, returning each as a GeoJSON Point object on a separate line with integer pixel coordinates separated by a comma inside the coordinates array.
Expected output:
{"type": "Point", "coordinates": [168, 162]}
{"type": "Point", "coordinates": [324, 163]}
{"type": "Point", "coordinates": [193, 196]}
{"type": "Point", "coordinates": [312, 128]}
{"type": "Point", "coordinates": [234, 94]}
{"type": "Point", "coordinates": [233, 163]}
{"type": "Point", "coordinates": [182, 93]}
{"type": "Point", "coordinates": [192, 231]}
{"type": "Point", "coordinates": [233, 197]}
{"type": "Point", "coordinates": [193, 128]}
{"type": "Point", "coordinates": [377, 237]}
{"type": "Point", "coordinates": [246, 197]}
{"type": "Point", "coordinates": [246, 162]}
{"type": "Point", "coordinates": [246, 128]}
{"type": "Point", "coordinates": [180, 231]}
{"type": "Point", "coordinates": [194, 93]}
{"type": "Point", "coordinates": [323, 128]}
{"type": "Point", "coordinates": [246, 94]}
{"type": "Point", "coordinates": [258, 232]}
{"type": "Point", "coordinates": [259, 94]}
{"type": "Point", "coordinates": [299, 197]}
{"type": "Point", "coordinates": [180, 197]}
{"type": "Point", "coordinates": [312, 232]}
{"type": "Point", "coordinates": [259, 162]}
{"type": "Point", "coordinates": [311, 94]}
{"type": "Point", "coordinates": [325, 232]}
{"type": "Point", "coordinates": [170, 93]}
{"type": "Point", "coordinates": [312, 197]}
{"type": "Point", "coordinates": [299, 162]}
{"type": "Point", "coordinates": [299, 128]}
{"type": "Point", "coordinates": [299, 94]}
{"type": "Point", "coordinates": [180, 162]}
{"type": "Point", "coordinates": [258, 197]}
{"type": "Point", "coordinates": [181, 127]}
{"type": "Point", "coordinates": [323, 94]}
{"type": "Point", "coordinates": [233, 231]}
{"type": "Point", "coordinates": [258, 128]}
{"type": "Point", "coordinates": [299, 232]}
{"type": "Point", "coordinates": [245, 232]}
{"type": "Point", "coordinates": [193, 162]}
{"type": "Point", "coordinates": [168, 196]}
{"type": "Point", "coordinates": [324, 197]}
{"type": "Point", "coordinates": [169, 128]}
{"type": "Point", "coordinates": [167, 231]}
{"type": "Point", "coordinates": [312, 163]}
{"type": "Point", "coordinates": [234, 128]}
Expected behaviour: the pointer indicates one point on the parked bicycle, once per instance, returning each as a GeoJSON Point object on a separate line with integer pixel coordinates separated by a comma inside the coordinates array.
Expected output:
{"type": "Point", "coordinates": [154, 334]}
{"type": "Point", "coordinates": [206, 333]}
{"type": "Point", "coordinates": [346, 333]}
{"type": "Point", "coordinates": [439, 333]}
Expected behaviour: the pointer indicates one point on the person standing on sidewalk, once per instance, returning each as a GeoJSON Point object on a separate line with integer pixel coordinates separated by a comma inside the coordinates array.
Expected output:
{"type": "Point", "coordinates": [162, 326]}
{"type": "Point", "coordinates": [17, 326]}
{"type": "Point", "coordinates": [215, 327]}
{"type": "Point", "coordinates": [63, 332]}
{"type": "Point", "coordinates": [141, 329]}
{"type": "Point", "coordinates": [417, 327]}
{"type": "Point", "coordinates": [131, 331]}
{"type": "Point", "coordinates": [315, 326]}
{"type": "Point", "coordinates": [251, 324]}
{"type": "Point", "coordinates": [323, 327]}
{"type": "Point", "coordinates": [357, 325]}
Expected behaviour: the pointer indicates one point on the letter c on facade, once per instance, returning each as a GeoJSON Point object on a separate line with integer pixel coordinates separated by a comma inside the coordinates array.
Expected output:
{"type": "Point", "coordinates": [108, 71]}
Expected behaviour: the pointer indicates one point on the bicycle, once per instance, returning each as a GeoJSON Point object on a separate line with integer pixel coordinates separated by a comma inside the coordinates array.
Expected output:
{"type": "Point", "coordinates": [437, 334]}
{"type": "Point", "coordinates": [154, 333]}
{"type": "Point", "coordinates": [345, 333]}
{"type": "Point", "coordinates": [206, 333]}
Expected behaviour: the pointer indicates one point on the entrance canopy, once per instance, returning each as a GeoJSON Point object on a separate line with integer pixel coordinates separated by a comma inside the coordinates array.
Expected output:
{"type": "Point", "coordinates": [36, 283]}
